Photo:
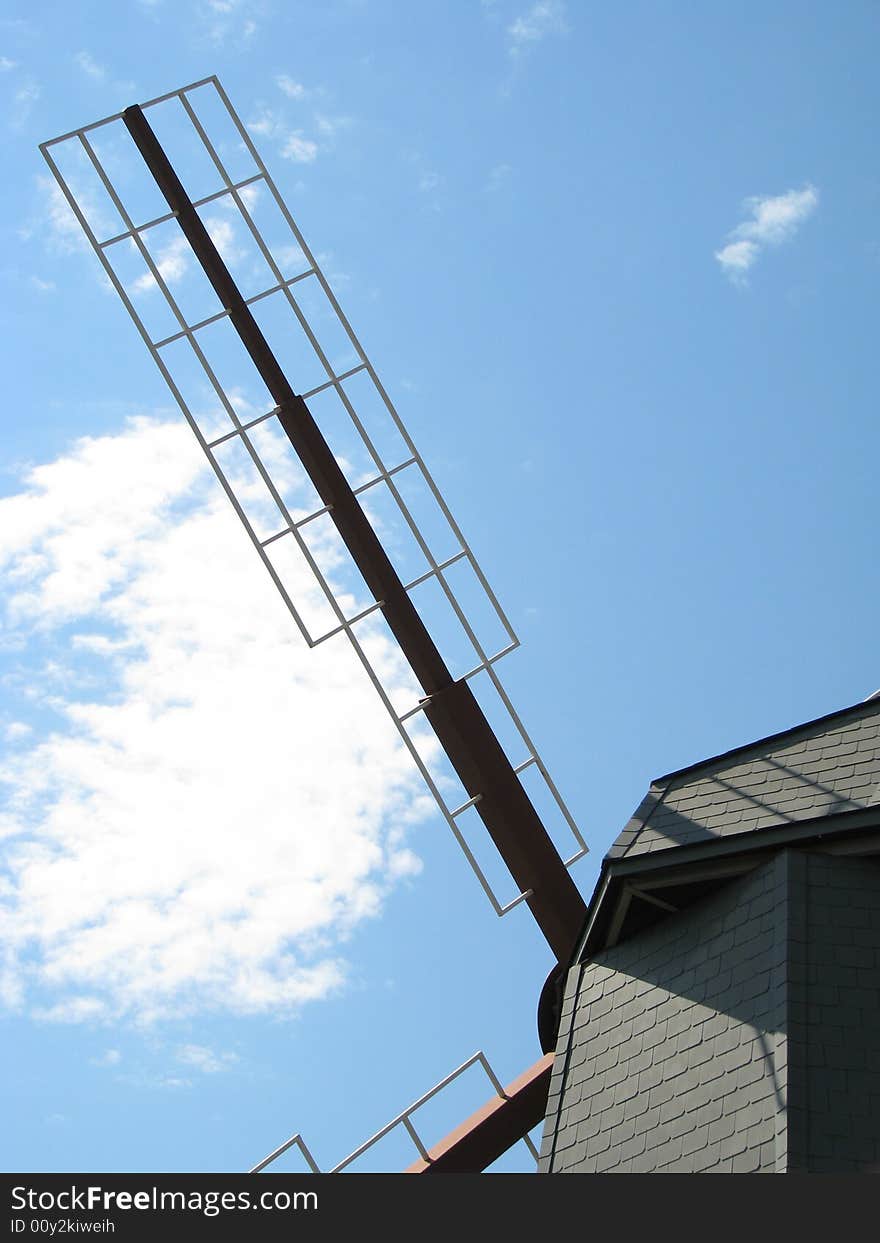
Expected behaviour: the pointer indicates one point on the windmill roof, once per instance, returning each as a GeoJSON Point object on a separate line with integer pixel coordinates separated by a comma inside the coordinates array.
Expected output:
{"type": "Point", "coordinates": [822, 768]}
{"type": "Point", "coordinates": [815, 786]}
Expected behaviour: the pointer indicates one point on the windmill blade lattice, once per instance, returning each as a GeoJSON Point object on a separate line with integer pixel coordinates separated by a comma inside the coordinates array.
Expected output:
{"type": "Point", "coordinates": [325, 477]}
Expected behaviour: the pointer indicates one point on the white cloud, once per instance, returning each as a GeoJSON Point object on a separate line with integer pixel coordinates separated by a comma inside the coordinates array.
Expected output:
{"type": "Point", "coordinates": [228, 19]}
{"type": "Point", "coordinates": [16, 730]}
{"type": "Point", "coordinates": [266, 125]}
{"type": "Point", "coordinates": [499, 176]}
{"type": "Point", "coordinates": [43, 286]}
{"type": "Point", "coordinates": [204, 1059]}
{"type": "Point", "coordinates": [773, 220]}
{"type": "Point", "coordinates": [110, 1057]}
{"type": "Point", "coordinates": [172, 263]}
{"type": "Point", "coordinates": [330, 126]}
{"type": "Point", "coordinates": [18, 26]}
{"type": "Point", "coordinates": [225, 236]}
{"type": "Point", "coordinates": [23, 102]}
{"type": "Point", "coordinates": [292, 142]}
{"type": "Point", "coordinates": [299, 149]}
{"type": "Point", "coordinates": [64, 229]}
{"type": "Point", "coordinates": [292, 89]}
{"type": "Point", "coordinates": [218, 807]}
{"type": "Point", "coordinates": [429, 181]}
{"type": "Point", "coordinates": [64, 234]}
{"type": "Point", "coordinates": [543, 18]}
{"type": "Point", "coordinates": [71, 1010]}
{"type": "Point", "coordinates": [249, 195]}
{"type": "Point", "coordinates": [6, 64]}
{"type": "Point", "coordinates": [737, 257]}
{"type": "Point", "coordinates": [90, 67]}
{"type": "Point", "coordinates": [173, 260]}
{"type": "Point", "coordinates": [288, 256]}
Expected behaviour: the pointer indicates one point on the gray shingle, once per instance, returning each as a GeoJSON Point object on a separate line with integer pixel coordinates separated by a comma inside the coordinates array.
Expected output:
{"type": "Point", "coordinates": [823, 768]}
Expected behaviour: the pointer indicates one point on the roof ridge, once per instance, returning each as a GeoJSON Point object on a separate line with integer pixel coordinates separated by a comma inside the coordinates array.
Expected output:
{"type": "Point", "coordinates": [653, 789]}
{"type": "Point", "coordinates": [868, 706]}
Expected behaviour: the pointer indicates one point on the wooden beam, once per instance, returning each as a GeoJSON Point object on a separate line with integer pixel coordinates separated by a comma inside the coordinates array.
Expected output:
{"type": "Point", "coordinates": [450, 707]}
{"type": "Point", "coordinates": [494, 1128]}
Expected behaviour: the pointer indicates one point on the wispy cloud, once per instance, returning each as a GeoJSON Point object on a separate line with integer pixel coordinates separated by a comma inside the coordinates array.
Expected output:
{"type": "Point", "coordinates": [546, 17]}
{"type": "Point", "coordinates": [55, 222]}
{"type": "Point", "coordinates": [291, 88]}
{"type": "Point", "coordinates": [20, 27]}
{"type": "Point", "coordinates": [298, 148]}
{"type": "Point", "coordinates": [172, 263]}
{"type": "Point", "coordinates": [498, 178]}
{"type": "Point", "coordinates": [6, 64]}
{"type": "Point", "coordinates": [110, 1057]}
{"type": "Point", "coordinates": [227, 19]}
{"type": "Point", "coordinates": [90, 67]}
{"type": "Point", "coordinates": [329, 127]}
{"type": "Point", "coordinates": [23, 101]}
{"type": "Point", "coordinates": [266, 125]}
{"type": "Point", "coordinates": [70, 1010]}
{"type": "Point", "coordinates": [293, 143]}
{"type": "Point", "coordinates": [773, 220]}
{"type": "Point", "coordinates": [199, 1057]}
{"type": "Point", "coordinates": [224, 234]}
{"type": "Point", "coordinates": [174, 260]}
{"type": "Point", "coordinates": [220, 807]}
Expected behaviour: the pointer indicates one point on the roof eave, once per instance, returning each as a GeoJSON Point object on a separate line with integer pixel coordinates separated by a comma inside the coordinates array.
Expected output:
{"type": "Point", "coordinates": [731, 854]}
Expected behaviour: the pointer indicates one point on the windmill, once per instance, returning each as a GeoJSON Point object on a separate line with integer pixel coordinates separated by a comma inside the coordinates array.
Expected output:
{"type": "Point", "coordinates": [437, 700]}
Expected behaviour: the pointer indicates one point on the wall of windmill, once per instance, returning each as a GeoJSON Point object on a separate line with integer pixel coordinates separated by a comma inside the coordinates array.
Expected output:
{"type": "Point", "coordinates": [740, 1035]}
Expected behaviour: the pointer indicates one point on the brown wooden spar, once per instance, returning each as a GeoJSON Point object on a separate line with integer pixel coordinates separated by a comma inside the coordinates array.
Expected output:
{"type": "Point", "coordinates": [451, 708]}
{"type": "Point", "coordinates": [489, 1132]}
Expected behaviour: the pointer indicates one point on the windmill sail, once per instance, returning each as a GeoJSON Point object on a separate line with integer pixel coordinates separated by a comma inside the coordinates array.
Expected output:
{"type": "Point", "coordinates": [248, 340]}
{"type": "Point", "coordinates": [508, 1117]}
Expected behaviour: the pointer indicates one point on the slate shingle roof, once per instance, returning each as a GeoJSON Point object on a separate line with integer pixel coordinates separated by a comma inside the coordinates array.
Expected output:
{"type": "Point", "coordinates": [819, 769]}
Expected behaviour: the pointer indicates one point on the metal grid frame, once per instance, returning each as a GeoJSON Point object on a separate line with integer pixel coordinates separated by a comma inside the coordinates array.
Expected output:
{"type": "Point", "coordinates": [239, 429]}
{"type": "Point", "coordinates": [403, 1119]}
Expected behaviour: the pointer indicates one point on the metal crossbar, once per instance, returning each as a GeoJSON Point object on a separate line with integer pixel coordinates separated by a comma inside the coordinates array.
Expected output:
{"type": "Point", "coordinates": [325, 509]}
{"type": "Point", "coordinates": [403, 1119]}
{"type": "Point", "coordinates": [151, 224]}
{"type": "Point", "coordinates": [295, 1141]}
{"type": "Point", "coordinates": [213, 319]}
{"type": "Point", "coordinates": [239, 431]}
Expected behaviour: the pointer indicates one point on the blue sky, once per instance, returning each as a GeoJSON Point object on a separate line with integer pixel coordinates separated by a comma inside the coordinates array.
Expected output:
{"type": "Point", "coordinates": [617, 266]}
